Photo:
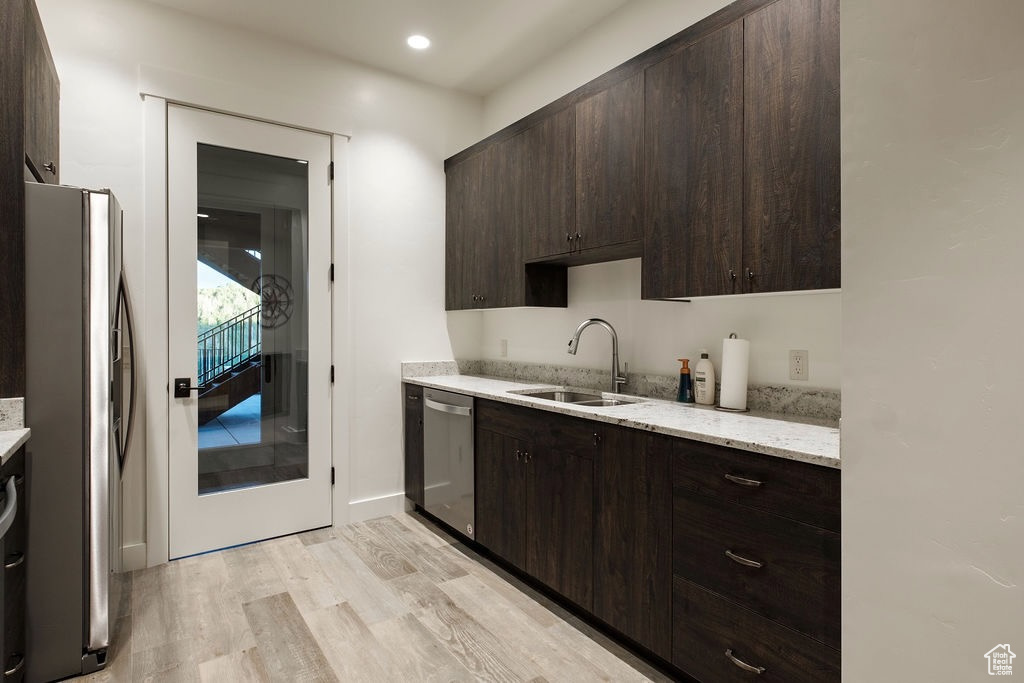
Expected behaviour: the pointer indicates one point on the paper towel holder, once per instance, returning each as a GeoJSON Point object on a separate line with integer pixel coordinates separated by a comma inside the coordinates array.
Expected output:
{"type": "Point", "coordinates": [732, 335]}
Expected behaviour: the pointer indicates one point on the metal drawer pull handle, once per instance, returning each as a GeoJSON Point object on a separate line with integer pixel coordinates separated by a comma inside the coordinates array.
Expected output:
{"type": "Point", "coordinates": [743, 665]}
{"type": "Point", "coordinates": [413, 397]}
{"type": "Point", "coordinates": [19, 558]}
{"type": "Point", "coordinates": [17, 667]}
{"type": "Point", "coordinates": [754, 483]}
{"type": "Point", "coordinates": [742, 560]}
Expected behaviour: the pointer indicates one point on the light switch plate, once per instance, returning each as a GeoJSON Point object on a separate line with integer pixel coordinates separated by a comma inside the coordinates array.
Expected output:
{"type": "Point", "coordinates": [798, 366]}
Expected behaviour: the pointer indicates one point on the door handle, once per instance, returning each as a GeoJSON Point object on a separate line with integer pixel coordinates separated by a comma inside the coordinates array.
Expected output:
{"type": "Point", "coordinates": [183, 385]}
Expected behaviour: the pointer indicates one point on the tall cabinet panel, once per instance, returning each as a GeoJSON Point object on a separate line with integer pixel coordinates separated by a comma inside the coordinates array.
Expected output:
{"type": "Point", "coordinates": [28, 151]}
{"type": "Point", "coordinates": [609, 165]}
{"type": "Point", "coordinates": [547, 181]}
{"type": "Point", "coordinates": [694, 169]}
{"type": "Point", "coordinates": [791, 146]}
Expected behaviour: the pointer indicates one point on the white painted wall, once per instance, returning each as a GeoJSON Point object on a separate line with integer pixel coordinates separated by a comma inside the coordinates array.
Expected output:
{"type": "Point", "coordinates": [401, 132]}
{"type": "Point", "coordinates": [653, 334]}
{"type": "Point", "coordinates": [933, 474]}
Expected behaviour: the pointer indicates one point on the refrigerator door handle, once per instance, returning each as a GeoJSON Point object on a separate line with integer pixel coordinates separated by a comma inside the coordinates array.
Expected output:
{"type": "Point", "coordinates": [125, 301]}
{"type": "Point", "coordinates": [10, 509]}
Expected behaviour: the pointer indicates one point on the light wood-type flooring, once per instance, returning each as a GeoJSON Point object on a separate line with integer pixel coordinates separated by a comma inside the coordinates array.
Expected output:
{"type": "Point", "coordinates": [391, 599]}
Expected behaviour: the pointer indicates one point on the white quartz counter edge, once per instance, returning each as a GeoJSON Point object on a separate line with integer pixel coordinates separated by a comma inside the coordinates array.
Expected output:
{"type": "Point", "coordinates": [795, 441]}
{"type": "Point", "coordinates": [10, 441]}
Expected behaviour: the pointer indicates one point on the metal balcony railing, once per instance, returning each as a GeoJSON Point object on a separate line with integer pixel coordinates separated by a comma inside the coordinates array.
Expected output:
{"type": "Point", "coordinates": [232, 343]}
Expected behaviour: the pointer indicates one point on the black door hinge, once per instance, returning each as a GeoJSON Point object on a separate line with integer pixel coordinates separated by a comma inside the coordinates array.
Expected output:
{"type": "Point", "coordinates": [330, 171]}
{"type": "Point", "coordinates": [332, 476]}
{"type": "Point", "coordinates": [330, 273]}
{"type": "Point", "coordinates": [332, 374]}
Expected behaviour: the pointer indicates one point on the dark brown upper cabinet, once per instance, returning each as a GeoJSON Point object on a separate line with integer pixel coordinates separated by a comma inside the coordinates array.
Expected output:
{"type": "Point", "coordinates": [483, 251]}
{"type": "Point", "coordinates": [29, 144]}
{"type": "Point", "coordinates": [694, 169]}
{"type": "Point", "coordinates": [791, 146]}
{"type": "Point", "coordinates": [743, 157]}
{"type": "Point", "coordinates": [546, 178]}
{"type": "Point", "coordinates": [42, 103]}
{"type": "Point", "coordinates": [714, 155]}
{"type": "Point", "coordinates": [609, 166]}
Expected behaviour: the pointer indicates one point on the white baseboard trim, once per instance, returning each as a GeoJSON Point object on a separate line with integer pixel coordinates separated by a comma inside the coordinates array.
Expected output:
{"type": "Point", "coordinates": [133, 557]}
{"type": "Point", "coordinates": [379, 506]}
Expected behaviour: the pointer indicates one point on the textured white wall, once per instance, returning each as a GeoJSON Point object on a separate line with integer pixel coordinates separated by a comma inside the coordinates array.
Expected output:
{"type": "Point", "coordinates": [653, 334]}
{"type": "Point", "coordinates": [402, 132]}
{"type": "Point", "coordinates": [933, 473]}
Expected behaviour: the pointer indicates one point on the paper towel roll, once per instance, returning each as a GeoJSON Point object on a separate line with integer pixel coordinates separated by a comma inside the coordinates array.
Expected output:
{"type": "Point", "coordinates": [735, 363]}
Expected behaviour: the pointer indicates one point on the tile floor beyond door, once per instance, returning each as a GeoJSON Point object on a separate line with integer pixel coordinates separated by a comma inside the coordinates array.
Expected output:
{"type": "Point", "coordinates": [391, 599]}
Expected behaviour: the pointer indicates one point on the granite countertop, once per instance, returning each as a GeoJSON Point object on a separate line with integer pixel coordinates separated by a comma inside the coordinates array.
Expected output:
{"type": "Point", "coordinates": [803, 441]}
{"type": "Point", "coordinates": [10, 441]}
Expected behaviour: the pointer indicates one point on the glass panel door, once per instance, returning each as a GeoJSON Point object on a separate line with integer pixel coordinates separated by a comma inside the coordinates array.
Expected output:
{"type": "Point", "coordinates": [249, 311]}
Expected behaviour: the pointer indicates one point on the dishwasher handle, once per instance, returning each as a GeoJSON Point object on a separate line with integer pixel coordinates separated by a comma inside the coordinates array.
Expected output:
{"type": "Point", "coordinates": [11, 509]}
{"type": "Point", "coordinates": [447, 407]}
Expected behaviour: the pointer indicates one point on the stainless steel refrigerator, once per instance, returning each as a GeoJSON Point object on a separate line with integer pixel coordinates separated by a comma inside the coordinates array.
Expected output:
{"type": "Point", "coordinates": [79, 405]}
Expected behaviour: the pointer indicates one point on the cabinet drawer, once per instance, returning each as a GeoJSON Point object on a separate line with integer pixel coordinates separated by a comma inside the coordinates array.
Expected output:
{"type": "Point", "coordinates": [706, 627]}
{"type": "Point", "coordinates": [806, 493]}
{"type": "Point", "coordinates": [785, 570]}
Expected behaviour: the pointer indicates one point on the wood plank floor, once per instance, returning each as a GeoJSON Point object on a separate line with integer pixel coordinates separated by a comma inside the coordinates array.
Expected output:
{"type": "Point", "coordinates": [391, 599]}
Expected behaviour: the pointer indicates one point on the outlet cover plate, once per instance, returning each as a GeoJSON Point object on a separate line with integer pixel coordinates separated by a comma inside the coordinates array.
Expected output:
{"type": "Point", "coordinates": [798, 365]}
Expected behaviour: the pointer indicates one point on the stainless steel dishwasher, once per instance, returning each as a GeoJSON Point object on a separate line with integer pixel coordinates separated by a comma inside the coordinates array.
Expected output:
{"type": "Point", "coordinates": [448, 459]}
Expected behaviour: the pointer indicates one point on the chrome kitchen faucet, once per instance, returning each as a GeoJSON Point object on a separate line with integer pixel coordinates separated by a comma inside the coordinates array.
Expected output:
{"type": "Point", "coordinates": [617, 379]}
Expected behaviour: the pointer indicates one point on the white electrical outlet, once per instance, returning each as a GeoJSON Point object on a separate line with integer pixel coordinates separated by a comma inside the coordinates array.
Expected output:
{"type": "Point", "coordinates": [503, 347]}
{"type": "Point", "coordinates": [798, 367]}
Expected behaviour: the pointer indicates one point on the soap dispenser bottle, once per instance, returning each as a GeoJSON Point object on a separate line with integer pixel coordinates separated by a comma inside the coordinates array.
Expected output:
{"type": "Point", "coordinates": [685, 394]}
{"type": "Point", "coordinates": [704, 380]}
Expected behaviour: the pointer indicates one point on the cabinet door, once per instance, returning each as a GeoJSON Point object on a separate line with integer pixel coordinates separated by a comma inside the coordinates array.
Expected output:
{"type": "Point", "coordinates": [633, 540]}
{"type": "Point", "coordinates": [694, 169]}
{"type": "Point", "coordinates": [483, 264]}
{"type": "Point", "coordinates": [609, 169]}
{"type": "Point", "coordinates": [42, 101]}
{"type": "Point", "coordinates": [791, 146]}
{"type": "Point", "coordinates": [560, 508]}
{"type": "Point", "coordinates": [546, 179]}
{"type": "Point", "coordinates": [501, 495]}
{"type": "Point", "coordinates": [464, 217]}
{"type": "Point", "coordinates": [413, 443]}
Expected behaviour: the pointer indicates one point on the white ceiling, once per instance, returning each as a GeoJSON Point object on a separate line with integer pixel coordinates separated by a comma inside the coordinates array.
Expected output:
{"type": "Point", "coordinates": [478, 45]}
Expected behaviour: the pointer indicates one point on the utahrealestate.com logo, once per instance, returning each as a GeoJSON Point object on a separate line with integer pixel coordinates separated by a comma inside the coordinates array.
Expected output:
{"type": "Point", "coordinates": [1000, 660]}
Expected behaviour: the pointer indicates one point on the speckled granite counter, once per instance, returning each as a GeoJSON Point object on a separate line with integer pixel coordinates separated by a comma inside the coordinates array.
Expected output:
{"type": "Point", "coordinates": [10, 441]}
{"type": "Point", "coordinates": [811, 443]}
{"type": "Point", "coordinates": [12, 422]}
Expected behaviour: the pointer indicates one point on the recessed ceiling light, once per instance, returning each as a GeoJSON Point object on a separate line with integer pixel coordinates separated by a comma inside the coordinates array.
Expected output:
{"type": "Point", "coordinates": [418, 42]}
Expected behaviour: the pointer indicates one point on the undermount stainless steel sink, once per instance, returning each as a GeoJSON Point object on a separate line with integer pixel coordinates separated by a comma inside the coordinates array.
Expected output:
{"type": "Point", "coordinates": [603, 402]}
{"type": "Point", "coordinates": [577, 398]}
{"type": "Point", "coordinates": [562, 396]}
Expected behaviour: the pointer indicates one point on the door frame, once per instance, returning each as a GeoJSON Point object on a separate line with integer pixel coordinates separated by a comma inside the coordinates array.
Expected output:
{"type": "Point", "coordinates": [154, 353]}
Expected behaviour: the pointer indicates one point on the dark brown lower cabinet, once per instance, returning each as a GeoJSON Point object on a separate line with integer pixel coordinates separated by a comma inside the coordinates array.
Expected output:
{"type": "Point", "coordinates": [560, 506]}
{"type": "Point", "coordinates": [703, 555]}
{"type": "Point", "coordinates": [535, 495]}
{"type": "Point", "coordinates": [501, 494]}
{"type": "Point", "coordinates": [13, 591]}
{"type": "Point", "coordinates": [632, 539]}
{"type": "Point", "coordinates": [413, 442]}
{"type": "Point", "coordinates": [717, 641]}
